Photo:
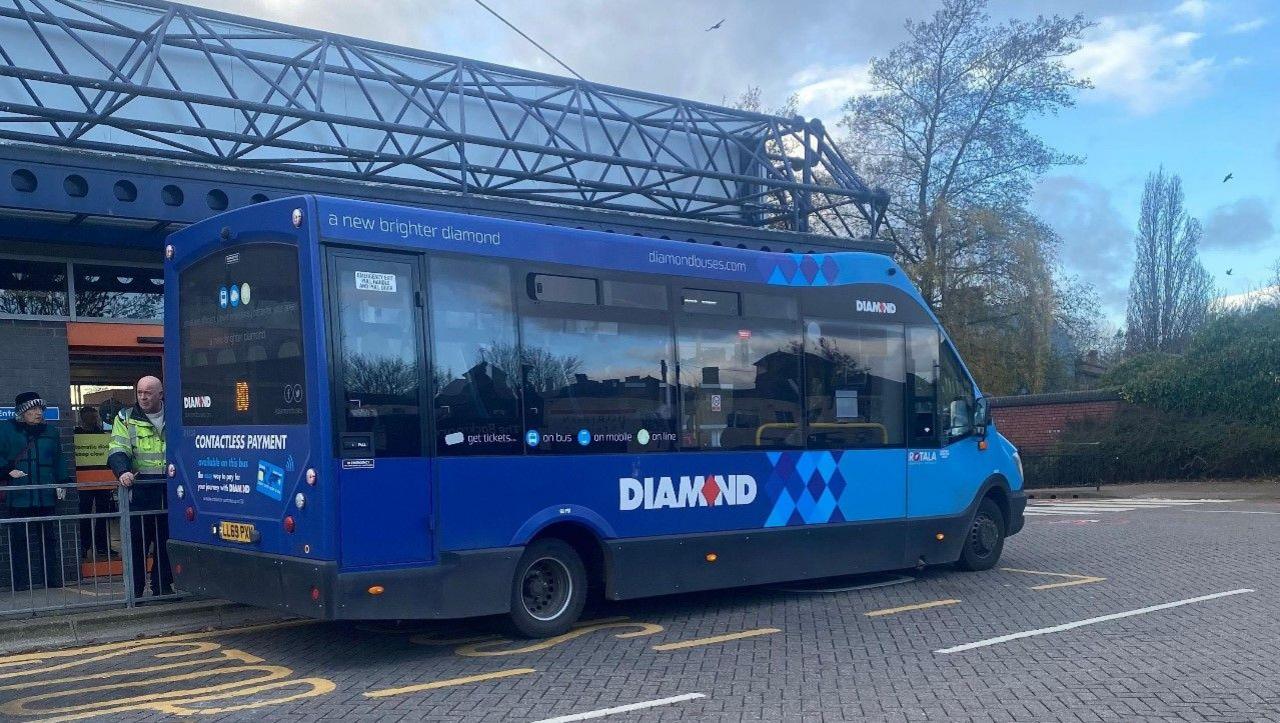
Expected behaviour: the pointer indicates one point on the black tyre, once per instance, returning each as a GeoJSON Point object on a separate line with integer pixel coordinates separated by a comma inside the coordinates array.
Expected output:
{"type": "Point", "coordinates": [549, 589]}
{"type": "Point", "coordinates": [985, 541]}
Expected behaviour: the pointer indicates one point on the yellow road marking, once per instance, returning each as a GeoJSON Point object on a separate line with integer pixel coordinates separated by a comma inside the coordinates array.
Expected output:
{"type": "Point", "coordinates": [227, 656]}
{"type": "Point", "coordinates": [425, 639]}
{"type": "Point", "coordinates": [712, 640]}
{"type": "Point", "coordinates": [1071, 578]}
{"type": "Point", "coordinates": [147, 642]}
{"type": "Point", "coordinates": [909, 608]}
{"type": "Point", "coordinates": [387, 692]}
{"type": "Point", "coordinates": [485, 649]}
{"type": "Point", "coordinates": [112, 695]}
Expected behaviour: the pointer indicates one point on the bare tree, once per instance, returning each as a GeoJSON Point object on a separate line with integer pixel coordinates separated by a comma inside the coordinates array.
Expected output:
{"type": "Point", "coordinates": [1170, 290]}
{"type": "Point", "coordinates": [943, 130]}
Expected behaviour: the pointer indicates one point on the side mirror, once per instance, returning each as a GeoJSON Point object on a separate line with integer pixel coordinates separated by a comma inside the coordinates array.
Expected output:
{"type": "Point", "coordinates": [982, 415]}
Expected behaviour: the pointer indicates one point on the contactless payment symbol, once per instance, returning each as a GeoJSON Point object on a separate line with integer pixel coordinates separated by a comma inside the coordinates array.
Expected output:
{"type": "Point", "coordinates": [532, 438]}
{"type": "Point", "coordinates": [222, 297]}
{"type": "Point", "coordinates": [584, 437]}
{"type": "Point", "coordinates": [270, 480]}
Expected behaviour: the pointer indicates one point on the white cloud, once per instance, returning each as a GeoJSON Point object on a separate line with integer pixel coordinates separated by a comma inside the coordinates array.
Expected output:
{"type": "Point", "coordinates": [1194, 9]}
{"type": "Point", "coordinates": [1247, 26]}
{"type": "Point", "coordinates": [822, 91]}
{"type": "Point", "coordinates": [1142, 65]}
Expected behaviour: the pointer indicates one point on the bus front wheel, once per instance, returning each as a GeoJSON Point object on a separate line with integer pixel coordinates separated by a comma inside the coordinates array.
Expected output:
{"type": "Point", "coordinates": [550, 589]}
{"type": "Point", "coordinates": [985, 542]}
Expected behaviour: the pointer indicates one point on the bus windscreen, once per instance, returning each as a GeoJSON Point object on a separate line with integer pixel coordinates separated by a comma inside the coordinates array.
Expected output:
{"type": "Point", "coordinates": [241, 337]}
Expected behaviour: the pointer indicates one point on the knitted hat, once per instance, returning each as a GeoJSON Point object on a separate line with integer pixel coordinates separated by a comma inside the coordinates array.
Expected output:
{"type": "Point", "coordinates": [25, 401]}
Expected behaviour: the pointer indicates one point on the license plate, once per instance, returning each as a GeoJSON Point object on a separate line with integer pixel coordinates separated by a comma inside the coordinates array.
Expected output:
{"type": "Point", "coordinates": [237, 532]}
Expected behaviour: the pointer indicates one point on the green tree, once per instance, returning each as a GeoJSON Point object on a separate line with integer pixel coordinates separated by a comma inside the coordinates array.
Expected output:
{"type": "Point", "coordinates": [944, 130]}
{"type": "Point", "coordinates": [1170, 290]}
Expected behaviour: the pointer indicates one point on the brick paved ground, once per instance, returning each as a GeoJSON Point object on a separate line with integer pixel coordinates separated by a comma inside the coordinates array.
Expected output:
{"type": "Point", "coordinates": [1217, 660]}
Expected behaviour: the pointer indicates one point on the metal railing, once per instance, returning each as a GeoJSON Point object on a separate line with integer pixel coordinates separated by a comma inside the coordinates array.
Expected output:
{"type": "Point", "coordinates": [51, 560]}
{"type": "Point", "coordinates": [1075, 465]}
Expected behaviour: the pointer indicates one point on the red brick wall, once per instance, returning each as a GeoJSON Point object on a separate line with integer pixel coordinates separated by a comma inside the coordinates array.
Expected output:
{"type": "Point", "coordinates": [1035, 427]}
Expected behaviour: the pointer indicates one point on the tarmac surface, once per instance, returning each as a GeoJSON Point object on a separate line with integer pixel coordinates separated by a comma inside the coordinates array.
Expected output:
{"type": "Point", "coordinates": [1147, 606]}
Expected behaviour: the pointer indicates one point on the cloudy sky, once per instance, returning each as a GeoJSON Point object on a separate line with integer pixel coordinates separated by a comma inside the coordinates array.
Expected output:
{"type": "Point", "coordinates": [1193, 85]}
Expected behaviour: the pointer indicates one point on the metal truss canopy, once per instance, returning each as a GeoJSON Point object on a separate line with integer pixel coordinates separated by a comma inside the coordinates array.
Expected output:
{"type": "Point", "coordinates": [165, 80]}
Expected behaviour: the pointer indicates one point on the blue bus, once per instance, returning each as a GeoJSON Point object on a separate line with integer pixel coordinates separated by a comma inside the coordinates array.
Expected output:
{"type": "Point", "coordinates": [384, 412]}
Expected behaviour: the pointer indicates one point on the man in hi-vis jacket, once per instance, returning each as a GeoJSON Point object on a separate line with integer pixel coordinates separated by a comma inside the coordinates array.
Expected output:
{"type": "Point", "coordinates": [137, 454]}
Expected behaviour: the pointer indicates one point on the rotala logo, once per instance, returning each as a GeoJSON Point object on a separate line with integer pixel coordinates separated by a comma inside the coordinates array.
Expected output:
{"type": "Point", "coordinates": [876, 307]}
{"type": "Point", "coordinates": [656, 493]}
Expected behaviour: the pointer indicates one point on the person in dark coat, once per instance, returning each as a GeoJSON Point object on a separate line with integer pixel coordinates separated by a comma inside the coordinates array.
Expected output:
{"type": "Point", "coordinates": [31, 454]}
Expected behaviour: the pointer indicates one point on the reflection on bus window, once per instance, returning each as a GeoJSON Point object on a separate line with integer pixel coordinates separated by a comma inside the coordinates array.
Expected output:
{"type": "Point", "coordinates": [922, 380]}
{"type": "Point", "coordinates": [241, 338]}
{"type": "Point", "coordinates": [379, 352]}
{"type": "Point", "coordinates": [740, 383]}
{"type": "Point", "coordinates": [853, 384]}
{"type": "Point", "coordinates": [476, 365]}
{"type": "Point", "coordinates": [955, 398]}
{"type": "Point", "coordinates": [597, 386]}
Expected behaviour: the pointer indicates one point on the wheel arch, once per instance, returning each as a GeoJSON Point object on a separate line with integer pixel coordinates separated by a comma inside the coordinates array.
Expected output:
{"type": "Point", "coordinates": [586, 541]}
{"type": "Point", "coordinates": [996, 488]}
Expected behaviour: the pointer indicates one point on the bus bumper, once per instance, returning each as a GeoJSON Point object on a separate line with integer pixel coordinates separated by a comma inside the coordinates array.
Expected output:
{"type": "Point", "coordinates": [461, 584]}
{"type": "Point", "coordinates": [1017, 510]}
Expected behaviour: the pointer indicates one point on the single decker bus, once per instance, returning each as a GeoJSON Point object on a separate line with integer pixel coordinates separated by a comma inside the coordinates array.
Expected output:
{"type": "Point", "coordinates": [385, 412]}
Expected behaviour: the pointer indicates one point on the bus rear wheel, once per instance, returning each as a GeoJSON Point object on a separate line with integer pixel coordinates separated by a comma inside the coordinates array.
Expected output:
{"type": "Point", "coordinates": [549, 590]}
{"type": "Point", "coordinates": [985, 541]}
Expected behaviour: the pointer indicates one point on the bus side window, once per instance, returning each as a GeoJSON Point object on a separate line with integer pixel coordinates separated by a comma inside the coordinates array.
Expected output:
{"type": "Point", "coordinates": [922, 382]}
{"type": "Point", "coordinates": [739, 382]}
{"type": "Point", "coordinates": [955, 397]}
{"type": "Point", "coordinates": [597, 381]}
{"type": "Point", "coordinates": [475, 364]}
{"type": "Point", "coordinates": [853, 384]}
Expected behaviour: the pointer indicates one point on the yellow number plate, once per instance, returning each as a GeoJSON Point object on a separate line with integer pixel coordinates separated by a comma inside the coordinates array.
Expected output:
{"type": "Point", "coordinates": [237, 532]}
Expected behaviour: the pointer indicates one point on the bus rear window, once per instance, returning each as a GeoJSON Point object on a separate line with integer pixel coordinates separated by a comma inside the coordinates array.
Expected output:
{"type": "Point", "coordinates": [241, 338]}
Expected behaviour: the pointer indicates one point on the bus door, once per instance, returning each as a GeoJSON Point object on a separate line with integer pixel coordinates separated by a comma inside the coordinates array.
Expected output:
{"type": "Point", "coordinates": [944, 464]}
{"type": "Point", "coordinates": [379, 382]}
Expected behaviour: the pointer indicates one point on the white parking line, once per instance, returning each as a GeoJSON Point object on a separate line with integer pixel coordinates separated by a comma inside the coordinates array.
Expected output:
{"type": "Point", "coordinates": [624, 708]}
{"type": "Point", "coordinates": [1034, 511]}
{"type": "Point", "coordinates": [1090, 621]}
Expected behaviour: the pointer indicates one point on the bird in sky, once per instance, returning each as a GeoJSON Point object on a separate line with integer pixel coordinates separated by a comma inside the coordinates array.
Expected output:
{"type": "Point", "coordinates": [1229, 271]}
{"type": "Point", "coordinates": [1228, 177]}
{"type": "Point", "coordinates": [716, 26]}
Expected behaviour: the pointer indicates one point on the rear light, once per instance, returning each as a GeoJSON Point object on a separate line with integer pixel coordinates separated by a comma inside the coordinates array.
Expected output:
{"type": "Point", "coordinates": [311, 477]}
{"type": "Point", "coordinates": [181, 492]}
{"type": "Point", "coordinates": [299, 500]}
{"type": "Point", "coordinates": [288, 524]}
{"type": "Point", "coordinates": [177, 569]}
{"type": "Point", "coordinates": [173, 470]}
{"type": "Point", "coordinates": [168, 251]}
{"type": "Point", "coordinates": [191, 514]}
{"type": "Point", "coordinates": [315, 594]}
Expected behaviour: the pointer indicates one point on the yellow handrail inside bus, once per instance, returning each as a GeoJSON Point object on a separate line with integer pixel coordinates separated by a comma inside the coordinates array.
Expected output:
{"type": "Point", "coordinates": [884, 433]}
